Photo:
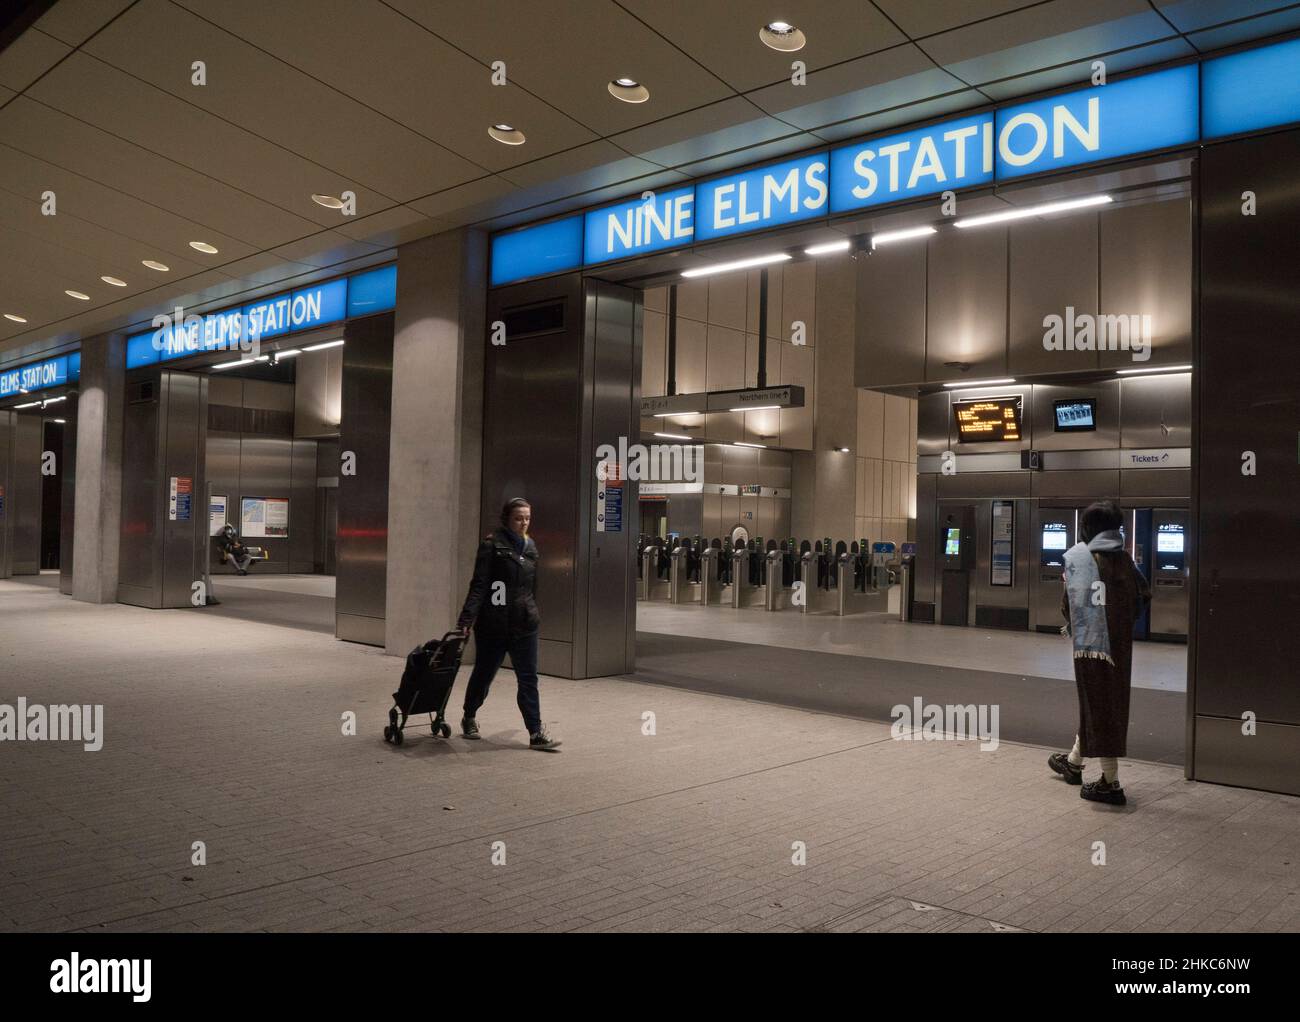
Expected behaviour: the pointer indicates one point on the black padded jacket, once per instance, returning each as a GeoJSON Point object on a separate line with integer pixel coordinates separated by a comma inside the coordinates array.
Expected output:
{"type": "Point", "coordinates": [501, 604]}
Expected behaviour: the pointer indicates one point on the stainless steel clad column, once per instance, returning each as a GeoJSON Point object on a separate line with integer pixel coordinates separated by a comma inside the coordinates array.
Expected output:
{"type": "Point", "coordinates": [565, 381]}
{"type": "Point", "coordinates": [6, 457]}
{"type": "Point", "coordinates": [1243, 542]}
{"type": "Point", "coordinates": [363, 497]}
{"type": "Point", "coordinates": [163, 550]}
{"type": "Point", "coordinates": [23, 495]}
{"type": "Point", "coordinates": [68, 474]}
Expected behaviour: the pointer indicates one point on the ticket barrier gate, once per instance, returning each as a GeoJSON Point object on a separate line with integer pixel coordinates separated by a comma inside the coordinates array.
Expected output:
{"type": "Point", "coordinates": [651, 586]}
{"type": "Point", "coordinates": [743, 592]}
{"type": "Point", "coordinates": [775, 595]}
{"type": "Point", "coordinates": [813, 599]}
{"type": "Point", "coordinates": [680, 588]}
{"type": "Point", "coordinates": [848, 598]}
{"type": "Point", "coordinates": [710, 584]}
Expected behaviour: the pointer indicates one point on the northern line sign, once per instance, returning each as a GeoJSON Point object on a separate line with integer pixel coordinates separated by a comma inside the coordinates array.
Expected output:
{"type": "Point", "coordinates": [1240, 92]}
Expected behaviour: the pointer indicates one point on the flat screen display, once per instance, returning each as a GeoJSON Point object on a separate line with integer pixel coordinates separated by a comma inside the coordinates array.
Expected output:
{"type": "Point", "coordinates": [1169, 542]}
{"type": "Point", "coordinates": [1076, 416]}
{"type": "Point", "coordinates": [1053, 537]}
{"type": "Point", "coordinates": [952, 545]}
{"type": "Point", "coordinates": [987, 419]}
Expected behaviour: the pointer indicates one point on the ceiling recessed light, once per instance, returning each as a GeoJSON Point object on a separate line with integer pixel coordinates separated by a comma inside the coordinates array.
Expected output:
{"type": "Point", "coordinates": [506, 134]}
{"type": "Point", "coordinates": [154, 264]}
{"type": "Point", "coordinates": [739, 264]}
{"type": "Point", "coordinates": [629, 90]}
{"type": "Point", "coordinates": [742, 443]}
{"type": "Point", "coordinates": [203, 246]}
{"type": "Point", "coordinates": [888, 237]}
{"type": "Point", "coordinates": [781, 35]}
{"type": "Point", "coordinates": [828, 248]}
{"type": "Point", "coordinates": [980, 383]}
{"type": "Point", "coordinates": [16, 319]}
{"type": "Point", "coordinates": [77, 295]}
{"type": "Point", "coordinates": [322, 347]}
{"type": "Point", "coordinates": [114, 281]}
{"type": "Point", "coordinates": [328, 201]}
{"type": "Point", "coordinates": [1028, 211]}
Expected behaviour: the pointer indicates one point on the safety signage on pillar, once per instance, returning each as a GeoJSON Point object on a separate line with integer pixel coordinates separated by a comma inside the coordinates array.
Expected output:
{"type": "Point", "coordinates": [609, 497]}
{"type": "Point", "coordinates": [181, 499]}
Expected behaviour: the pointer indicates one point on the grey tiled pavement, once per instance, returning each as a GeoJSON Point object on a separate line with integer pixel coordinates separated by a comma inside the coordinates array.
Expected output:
{"type": "Point", "coordinates": [229, 733]}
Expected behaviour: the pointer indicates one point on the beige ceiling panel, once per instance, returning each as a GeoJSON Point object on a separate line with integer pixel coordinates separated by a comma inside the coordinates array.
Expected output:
{"type": "Point", "coordinates": [266, 269]}
{"type": "Point", "coordinates": [254, 90]}
{"type": "Point", "coordinates": [1045, 36]}
{"type": "Point", "coordinates": [449, 203]}
{"type": "Point", "coordinates": [926, 17]}
{"type": "Point", "coordinates": [392, 227]}
{"type": "Point", "coordinates": [387, 61]}
{"type": "Point", "coordinates": [764, 153]}
{"type": "Point", "coordinates": [28, 57]}
{"type": "Point", "coordinates": [595, 197]}
{"type": "Point", "coordinates": [858, 87]}
{"type": "Point", "coordinates": [161, 234]}
{"type": "Point", "coordinates": [91, 90]}
{"type": "Point", "coordinates": [1194, 15]}
{"type": "Point", "coordinates": [325, 249]}
{"type": "Point", "coordinates": [75, 21]}
{"type": "Point", "coordinates": [1080, 72]}
{"type": "Point", "coordinates": [105, 252]}
{"type": "Point", "coordinates": [703, 133]}
{"type": "Point", "coordinates": [6, 95]}
{"type": "Point", "coordinates": [876, 123]}
{"type": "Point", "coordinates": [722, 35]}
{"type": "Point", "coordinates": [590, 167]}
{"type": "Point", "coordinates": [93, 154]}
{"type": "Point", "coordinates": [540, 57]}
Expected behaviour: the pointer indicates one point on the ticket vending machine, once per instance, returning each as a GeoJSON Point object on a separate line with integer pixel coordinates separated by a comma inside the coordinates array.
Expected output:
{"type": "Point", "coordinates": [1057, 527]}
{"type": "Point", "coordinates": [1168, 575]}
{"type": "Point", "coordinates": [957, 558]}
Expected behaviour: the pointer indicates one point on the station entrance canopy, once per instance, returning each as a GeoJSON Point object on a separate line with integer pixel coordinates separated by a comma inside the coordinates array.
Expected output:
{"type": "Point", "coordinates": [1148, 113]}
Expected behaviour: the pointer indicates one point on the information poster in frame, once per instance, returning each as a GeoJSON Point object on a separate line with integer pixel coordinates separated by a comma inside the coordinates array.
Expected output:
{"type": "Point", "coordinates": [1002, 562]}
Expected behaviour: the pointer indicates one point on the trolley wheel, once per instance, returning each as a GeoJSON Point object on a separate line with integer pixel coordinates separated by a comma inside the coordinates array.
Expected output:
{"type": "Point", "coordinates": [446, 730]}
{"type": "Point", "coordinates": [397, 736]}
{"type": "Point", "coordinates": [388, 734]}
{"type": "Point", "coordinates": [392, 717]}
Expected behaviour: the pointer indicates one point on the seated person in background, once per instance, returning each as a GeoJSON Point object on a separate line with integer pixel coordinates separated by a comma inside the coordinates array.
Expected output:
{"type": "Point", "coordinates": [234, 550]}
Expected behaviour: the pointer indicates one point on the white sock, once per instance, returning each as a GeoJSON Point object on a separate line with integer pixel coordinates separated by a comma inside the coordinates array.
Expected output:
{"type": "Point", "coordinates": [1074, 757]}
{"type": "Point", "coordinates": [1110, 769]}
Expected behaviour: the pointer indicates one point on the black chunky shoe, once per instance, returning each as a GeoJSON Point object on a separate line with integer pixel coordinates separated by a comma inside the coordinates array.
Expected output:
{"type": "Point", "coordinates": [1102, 790]}
{"type": "Point", "coordinates": [541, 741]}
{"type": "Point", "coordinates": [1060, 762]}
{"type": "Point", "coordinates": [469, 728]}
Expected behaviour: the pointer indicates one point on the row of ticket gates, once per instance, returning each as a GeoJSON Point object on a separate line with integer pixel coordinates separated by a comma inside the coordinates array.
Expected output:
{"type": "Point", "coordinates": [812, 576]}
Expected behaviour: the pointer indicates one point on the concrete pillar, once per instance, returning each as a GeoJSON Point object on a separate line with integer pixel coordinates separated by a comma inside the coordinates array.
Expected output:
{"type": "Point", "coordinates": [437, 423]}
{"type": "Point", "coordinates": [97, 521]}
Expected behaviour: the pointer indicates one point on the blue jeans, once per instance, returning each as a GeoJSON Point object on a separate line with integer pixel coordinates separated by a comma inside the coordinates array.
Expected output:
{"type": "Point", "coordinates": [487, 661]}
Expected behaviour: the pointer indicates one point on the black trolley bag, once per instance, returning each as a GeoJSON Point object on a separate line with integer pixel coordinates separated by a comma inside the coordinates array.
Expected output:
{"type": "Point", "coordinates": [426, 685]}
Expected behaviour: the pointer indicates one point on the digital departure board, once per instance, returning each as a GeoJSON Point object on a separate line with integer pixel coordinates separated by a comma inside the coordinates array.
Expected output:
{"type": "Point", "coordinates": [987, 419]}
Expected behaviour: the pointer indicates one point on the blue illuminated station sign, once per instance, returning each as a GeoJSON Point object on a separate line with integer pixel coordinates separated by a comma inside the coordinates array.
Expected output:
{"type": "Point", "coordinates": [50, 372]}
{"type": "Point", "coordinates": [1221, 96]}
{"type": "Point", "coordinates": [293, 311]}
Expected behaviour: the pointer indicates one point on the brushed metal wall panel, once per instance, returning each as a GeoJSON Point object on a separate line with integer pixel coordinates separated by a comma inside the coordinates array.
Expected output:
{"type": "Point", "coordinates": [1246, 645]}
{"type": "Point", "coordinates": [531, 427]}
{"type": "Point", "coordinates": [1053, 267]}
{"type": "Point", "coordinates": [1156, 411]}
{"type": "Point", "coordinates": [1267, 760]}
{"type": "Point", "coordinates": [982, 484]}
{"type": "Point", "coordinates": [605, 619]}
{"type": "Point", "coordinates": [302, 505]}
{"type": "Point", "coordinates": [362, 543]}
{"type": "Point", "coordinates": [966, 304]}
{"type": "Point", "coordinates": [183, 455]}
{"type": "Point", "coordinates": [1146, 269]}
{"type": "Point", "coordinates": [891, 310]}
{"type": "Point", "coordinates": [140, 552]}
{"type": "Point", "coordinates": [1043, 435]}
{"type": "Point", "coordinates": [1154, 484]}
{"type": "Point", "coordinates": [933, 423]}
{"type": "Point", "coordinates": [23, 495]}
{"type": "Point", "coordinates": [1085, 485]}
{"type": "Point", "coordinates": [927, 529]}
